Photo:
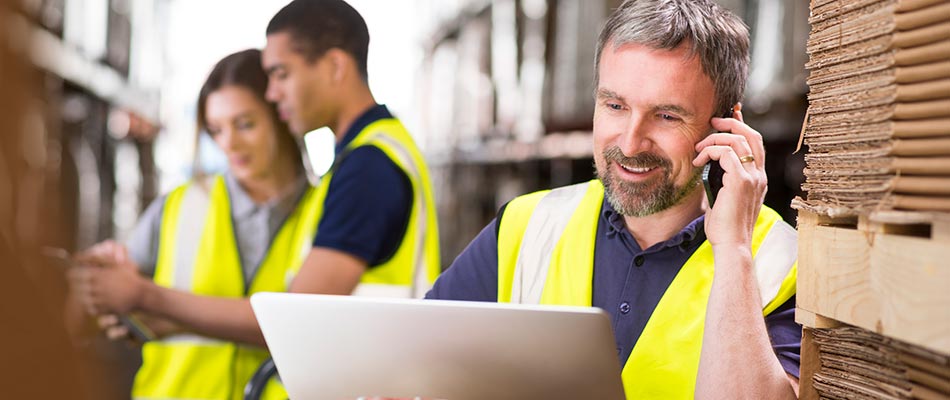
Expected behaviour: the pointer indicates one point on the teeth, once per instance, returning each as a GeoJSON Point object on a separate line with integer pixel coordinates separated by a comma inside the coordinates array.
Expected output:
{"type": "Point", "coordinates": [636, 170]}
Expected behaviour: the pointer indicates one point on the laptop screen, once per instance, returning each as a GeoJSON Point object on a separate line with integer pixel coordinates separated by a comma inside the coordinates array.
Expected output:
{"type": "Point", "coordinates": [333, 347]}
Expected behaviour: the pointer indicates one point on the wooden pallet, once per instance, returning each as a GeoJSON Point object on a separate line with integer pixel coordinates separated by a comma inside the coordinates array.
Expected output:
{"type": "Point", "coordinates": [887, 272]}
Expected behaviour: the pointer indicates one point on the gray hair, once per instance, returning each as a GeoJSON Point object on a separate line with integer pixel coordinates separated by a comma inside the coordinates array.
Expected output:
{"type": "Point", "coordinates": [717, 36]}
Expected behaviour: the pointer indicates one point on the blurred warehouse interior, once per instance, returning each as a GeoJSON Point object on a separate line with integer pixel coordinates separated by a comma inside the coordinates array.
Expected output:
{"type": "Point", "coordinates": [498, 93]}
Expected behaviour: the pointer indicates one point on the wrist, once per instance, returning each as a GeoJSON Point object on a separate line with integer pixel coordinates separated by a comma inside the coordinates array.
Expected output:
{"type": "Point", "coordinates": [732, 257]}
{"type": "Point", "coordinates": [146, 300]}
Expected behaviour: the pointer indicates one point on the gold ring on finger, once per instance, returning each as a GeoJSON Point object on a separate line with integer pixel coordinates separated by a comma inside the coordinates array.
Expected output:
{"type": "Point", "coordinates": [748, 158]}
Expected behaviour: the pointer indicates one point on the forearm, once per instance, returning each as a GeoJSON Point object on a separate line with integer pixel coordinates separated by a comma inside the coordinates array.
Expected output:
{"type": "Point", "coordinates": [737, 360]}
{"type": "Point", "coordinates": [222, 318]}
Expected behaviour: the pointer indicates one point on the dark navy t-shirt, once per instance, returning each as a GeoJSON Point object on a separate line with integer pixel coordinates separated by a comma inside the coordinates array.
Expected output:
{"type": "Point", "coordinates": [367, 207]}
{"type": "Point", "coordinates": [628, 281]}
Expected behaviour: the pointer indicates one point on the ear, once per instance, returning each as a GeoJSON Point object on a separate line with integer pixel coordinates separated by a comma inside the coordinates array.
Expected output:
{"type": "Point", "coordinates": [339, 64]}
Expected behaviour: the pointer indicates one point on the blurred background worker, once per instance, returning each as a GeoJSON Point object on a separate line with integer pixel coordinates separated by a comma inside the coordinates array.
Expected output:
{"type": "Point", "coordinates": [377, 211]}
{"type": "Point", "coordinates": [200, 251]}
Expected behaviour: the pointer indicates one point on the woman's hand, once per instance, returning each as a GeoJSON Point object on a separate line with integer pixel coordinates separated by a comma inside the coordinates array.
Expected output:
{"type": "Point", "coordinates": [107, 281]}
{"type": "Point", "coordinates": [115, 330]}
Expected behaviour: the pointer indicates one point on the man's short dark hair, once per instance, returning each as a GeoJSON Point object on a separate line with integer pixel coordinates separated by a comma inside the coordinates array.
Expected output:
{"type": "Point", "coordinates": [316, 26]}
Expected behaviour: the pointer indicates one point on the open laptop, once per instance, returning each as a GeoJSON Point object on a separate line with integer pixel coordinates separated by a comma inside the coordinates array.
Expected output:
{"type": "Point", "coordinates": [344, 347]}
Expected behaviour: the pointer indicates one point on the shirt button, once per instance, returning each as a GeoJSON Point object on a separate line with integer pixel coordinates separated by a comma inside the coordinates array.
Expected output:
{"type": "Point", "coordinates": [638, 261]}
{"type": "Point", "coordinates": [624, 307]}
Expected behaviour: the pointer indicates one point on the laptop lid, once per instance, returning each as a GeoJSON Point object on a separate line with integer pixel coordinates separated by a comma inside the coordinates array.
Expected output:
{"type": "Point", "coordinates": [333, 347]}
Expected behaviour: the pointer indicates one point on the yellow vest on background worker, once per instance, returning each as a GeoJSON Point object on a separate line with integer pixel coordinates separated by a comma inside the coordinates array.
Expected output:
{"type": "Point", "coordinates": [190, 366]}
{"type": "Point", "coordinates": [546, 246]}
{"type": "Point", "coordinates": [411, 271]}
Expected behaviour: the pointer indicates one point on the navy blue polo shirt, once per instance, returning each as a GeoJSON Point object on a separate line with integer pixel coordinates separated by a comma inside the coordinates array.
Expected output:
{"type": "Point", "coordinates": [628, 281]}
{"type": "Point", "coordinates": [369, 200]}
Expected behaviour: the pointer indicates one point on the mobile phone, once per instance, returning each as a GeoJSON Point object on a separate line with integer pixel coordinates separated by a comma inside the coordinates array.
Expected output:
{"type": "Point", "coordinates": [139, 331]}
{"type": "Point", "coordinates": [712, 174]}
{"type": "Point", "coordinates": [712, 180]}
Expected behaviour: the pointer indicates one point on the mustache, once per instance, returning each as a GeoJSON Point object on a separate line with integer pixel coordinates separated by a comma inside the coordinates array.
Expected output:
{"type": "Point", "coordinates": [641, 160]}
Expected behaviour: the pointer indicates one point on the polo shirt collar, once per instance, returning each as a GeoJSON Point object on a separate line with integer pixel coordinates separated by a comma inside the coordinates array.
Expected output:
{"type": "Point", "coordinates": [242, 205]}
{"type": "Point", "coordinates": [373, 114]}
{"type": "Point", "coordinates": [616, 225]}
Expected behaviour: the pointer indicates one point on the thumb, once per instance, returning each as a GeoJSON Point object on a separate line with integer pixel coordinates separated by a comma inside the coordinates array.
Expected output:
{"type": "Point", "coordinates": [121, 254]}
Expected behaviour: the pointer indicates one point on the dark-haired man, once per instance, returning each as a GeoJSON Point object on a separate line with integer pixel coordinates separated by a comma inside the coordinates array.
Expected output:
{"type": "Point", "coordinates": [377, 233]}
{"type": "Point", "coordinates": [701, 298]}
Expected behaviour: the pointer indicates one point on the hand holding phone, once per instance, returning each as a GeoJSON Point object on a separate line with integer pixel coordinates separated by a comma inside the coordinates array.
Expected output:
{"type": "Point", "coordinates": [712, 180]}
{"type": "Point", "coordinates": [712, 174]}
{"type": "Point", "coordinates": [137, 330]}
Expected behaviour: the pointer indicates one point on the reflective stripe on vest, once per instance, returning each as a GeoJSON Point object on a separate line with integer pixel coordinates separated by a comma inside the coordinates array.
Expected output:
{"type": "Point", "coordinates": [198, 254]}
{"type": "Point", "coordinates": [546, 256]}
{"type": "Point", "coordinates": [415, 265]}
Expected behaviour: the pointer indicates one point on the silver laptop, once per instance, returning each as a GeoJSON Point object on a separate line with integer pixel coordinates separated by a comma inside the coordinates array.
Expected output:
{"type": "Point", "coordinates": [344, 347]}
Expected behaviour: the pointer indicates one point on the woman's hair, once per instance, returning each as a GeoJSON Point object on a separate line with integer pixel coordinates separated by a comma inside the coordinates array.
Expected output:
{"type": "Point", "coordinates": [242, 69]}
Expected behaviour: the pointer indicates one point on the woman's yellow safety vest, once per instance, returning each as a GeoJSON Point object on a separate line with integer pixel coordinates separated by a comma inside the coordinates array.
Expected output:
{"type": "Point", "coordinates": [190, 366]}
{"type": "Point", "coordinates": [546, 256]}
{"type": "Point", "coordinates": [411, 271]}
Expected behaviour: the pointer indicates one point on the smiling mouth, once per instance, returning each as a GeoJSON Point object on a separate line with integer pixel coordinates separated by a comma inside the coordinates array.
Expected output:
{"type": "Point", "coordinates": [636, 170]}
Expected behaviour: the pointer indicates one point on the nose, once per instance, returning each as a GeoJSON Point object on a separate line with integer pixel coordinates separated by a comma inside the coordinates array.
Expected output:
{"type": "Point", "coordinates": [273, 93]}
{"type": "Point", "coordinates": [634, 138]}
{"type": "Point", "coordinates": [225, 139]}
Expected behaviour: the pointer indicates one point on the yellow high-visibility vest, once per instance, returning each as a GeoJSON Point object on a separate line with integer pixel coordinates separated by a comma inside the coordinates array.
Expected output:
{"type": "Point", "coordinates": [546, 256]}
{"type": "Point", "coordinates": [189, 366]}
{"type": "Point", "coordinates": [416, 264]}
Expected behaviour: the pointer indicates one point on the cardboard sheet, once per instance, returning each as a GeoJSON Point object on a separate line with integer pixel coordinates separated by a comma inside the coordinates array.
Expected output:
{"type": "Point", "coordinates": [918, 37]}
{"type": "Point", "coordinates": [877, 73]}
{"type": "Point", "coordinates": [921, 46]}
{"type": "Point", "coordinates": [858, 364]}
{"type": "Point", "coordinates": [930, 15]}
{"type": "Point", "coordinates": [932, 52]}
{"type": "Point", "coordinates": [848, 146]}
{"type": "Point", "coordinates": [878, 124]}
{"type": "Point", "coordinates": [910, 129]}
{"type": "Point", "coordinates": [824, 9]}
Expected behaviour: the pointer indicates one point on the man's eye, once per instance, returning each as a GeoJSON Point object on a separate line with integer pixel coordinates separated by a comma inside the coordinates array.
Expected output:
{"type": "Point", "coordinates": [614, 106]}
{"type": "Point", "coordinates": [668, 117]}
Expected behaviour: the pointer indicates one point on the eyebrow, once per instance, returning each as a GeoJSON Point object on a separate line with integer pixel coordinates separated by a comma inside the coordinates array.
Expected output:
{"type": "Point", "coordinates": [272, 68]}
{"type": "Point", "coordinates": [674, 109]}
{"type": "Point", "coordinates": [609, 94]}
{"type": "Point", "coordinates": [244, 114]}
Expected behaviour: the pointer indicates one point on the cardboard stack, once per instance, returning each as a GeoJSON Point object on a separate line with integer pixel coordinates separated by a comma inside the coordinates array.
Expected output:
{"type": "Point", "coordinates": [858, 364]}
{"type": "Point", "coordinates": [878, 129]}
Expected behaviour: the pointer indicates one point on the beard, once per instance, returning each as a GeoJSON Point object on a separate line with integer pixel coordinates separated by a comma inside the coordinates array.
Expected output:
{"type": "Point", "coordinates": [639, 199]}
